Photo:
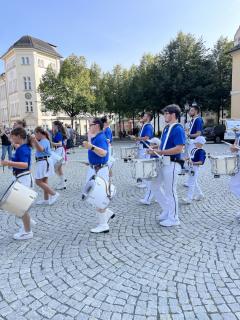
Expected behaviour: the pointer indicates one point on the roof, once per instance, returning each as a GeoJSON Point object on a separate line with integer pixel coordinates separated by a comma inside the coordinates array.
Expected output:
{"type": "Point", "coordinates": [235, 48]}
{"type": "Point", "coordinates": [34, 43]}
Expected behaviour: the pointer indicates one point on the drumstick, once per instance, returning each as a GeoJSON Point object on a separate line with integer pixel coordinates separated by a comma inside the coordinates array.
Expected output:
{"type": "Point", "coordinates": [229, 144]}
{"type": "Point", "coordinates": [158, 155]}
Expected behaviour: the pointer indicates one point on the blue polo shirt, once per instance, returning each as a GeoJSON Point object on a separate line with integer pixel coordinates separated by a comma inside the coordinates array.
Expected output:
{"type": "Point", "coordinates": [22, 154]}
{"type": "Point", "coordinates": [58, 137]}
{"type": "Point", "coordinates": [197, 125]}
{"type": "Point", "coordinates": [176, 137]}
{"type": "Point", "coordinates": [147, 131]}
{"type": "Point", "coordinates": [99, 141]}
{"type": "Point", "coordinates": [198, 155]}
{"type": "Point", "coordinates": [108, 134]}
{"type": "Point", "coordinates": [47, 149]}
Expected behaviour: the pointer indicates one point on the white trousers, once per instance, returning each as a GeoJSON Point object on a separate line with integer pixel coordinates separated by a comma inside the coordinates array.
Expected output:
{"type": "Point", "coordinates": [164, 188]}
{"type": "Point", "coordinates": [234, 184]}
{"type": "Point", "coordinates": [193, 186]}
{"type": "Point", "coordinates": [103, 173]}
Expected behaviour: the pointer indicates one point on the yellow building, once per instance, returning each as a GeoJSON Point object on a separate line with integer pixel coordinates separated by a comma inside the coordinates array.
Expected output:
{"type": "Point", "coordinates": [235, 93]}
{"type": "Point", "coordinates": [25, 62]}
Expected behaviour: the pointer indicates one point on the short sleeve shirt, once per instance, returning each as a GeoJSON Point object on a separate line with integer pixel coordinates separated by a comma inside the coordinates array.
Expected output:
{"type": "Point", "coordinates": [196, 125]}
{"type": "Point", "coordinates": [108, 134]}
{"type": "Point", "coordinates": [176, 137]}
{"type": "Point", "coordinates": [47, 148]}
{"type": "Point", "coordinates": [58, 137]}
{"type": "Point", "coordinates": [147, 131]}
{"type": "Point", "coordinates": [22, 154]}
{"type": "Point", "coordinates": [99, 141]}
{"type": "Point", "coordinates": [198, 155]}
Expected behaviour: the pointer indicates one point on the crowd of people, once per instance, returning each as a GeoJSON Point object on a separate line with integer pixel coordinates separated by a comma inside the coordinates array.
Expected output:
{"type": "Point", "coordinates": [181, 148]}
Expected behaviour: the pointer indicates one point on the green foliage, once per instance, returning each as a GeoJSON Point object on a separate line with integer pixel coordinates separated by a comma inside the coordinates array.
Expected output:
{"type": "Point", "coordinates": [185, 70]}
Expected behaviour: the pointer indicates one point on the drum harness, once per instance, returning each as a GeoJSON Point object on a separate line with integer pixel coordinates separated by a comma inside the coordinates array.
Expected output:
{"type": "Point", "coordinates": [44, 158]}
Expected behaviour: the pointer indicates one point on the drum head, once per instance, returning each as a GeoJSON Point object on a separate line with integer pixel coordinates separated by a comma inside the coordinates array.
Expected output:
{"type": "Point", "coordinates": [88, 187]}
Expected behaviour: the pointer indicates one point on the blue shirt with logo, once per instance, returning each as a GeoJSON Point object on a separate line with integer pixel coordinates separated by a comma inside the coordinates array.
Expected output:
{"type": "Point", "coordinates": [22, 154]}
{"type": "Point", "coordinates": [176, 137]}
{"type": "Point", "coordinates": [108, 134]}
{"type": "Point", "coordinates": [99, 141]}
{"type": "Point", "coordinates": [197, 125]}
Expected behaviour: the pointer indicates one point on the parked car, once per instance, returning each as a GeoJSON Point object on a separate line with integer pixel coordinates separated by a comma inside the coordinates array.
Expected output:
{"type": "Point", "coordinates": [215, 133]}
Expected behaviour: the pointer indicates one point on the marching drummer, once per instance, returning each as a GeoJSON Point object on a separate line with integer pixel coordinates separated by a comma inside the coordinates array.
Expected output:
{"type": "Point", "coordinates": [196, 161]}
{"type": "Point", "coordinates": [194, 130]}
{"type": "Point", "coordinates": [21, 163]}
{"type": "Point", "coordinates": [146, 133]}
{"type": "Point", "coordinates": [154, 144]}
{"type": "Point", "coordinates": [164, 186]}
{"type": "Point", "coordinates": [98, 165]}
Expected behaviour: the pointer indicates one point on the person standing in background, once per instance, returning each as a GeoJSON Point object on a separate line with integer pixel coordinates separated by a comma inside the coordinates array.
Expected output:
{"type": "Point", "coordinates": [6, 144]}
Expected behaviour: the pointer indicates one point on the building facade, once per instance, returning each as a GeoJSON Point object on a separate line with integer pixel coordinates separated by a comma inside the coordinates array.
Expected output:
{"type": "Point", "coordinates": [235, 93]}
{"type": "Point", "coordinates": [25, 62]}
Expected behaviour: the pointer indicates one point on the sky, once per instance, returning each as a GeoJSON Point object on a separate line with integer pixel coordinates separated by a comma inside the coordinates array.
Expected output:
{"type": "Point", "coordinates": [111, 32]}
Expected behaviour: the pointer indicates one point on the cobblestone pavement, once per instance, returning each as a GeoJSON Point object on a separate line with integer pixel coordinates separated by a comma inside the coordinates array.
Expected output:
{"type": "Point", "coordinates": [138, 271]}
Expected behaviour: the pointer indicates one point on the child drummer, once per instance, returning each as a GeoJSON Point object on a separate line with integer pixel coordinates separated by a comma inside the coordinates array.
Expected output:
{"type": "Point", "coordinates": [21, 163]}
{"type": "Point", "coordinates": [196, 159]}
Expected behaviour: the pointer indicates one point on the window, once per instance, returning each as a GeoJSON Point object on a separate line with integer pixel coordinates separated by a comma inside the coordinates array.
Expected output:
{"type": "Point", "coordinates": [27, 83]}
{"type": "Point", "coordinates": [41, 63]}
{"type": "Point", "coordinates": [29, 106]}
{"type": "Point", "coordinates": [25, 60]}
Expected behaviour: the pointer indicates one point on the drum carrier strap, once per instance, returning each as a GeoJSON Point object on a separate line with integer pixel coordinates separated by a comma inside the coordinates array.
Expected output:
{"type": "Point", "coordinates": [26, 173]}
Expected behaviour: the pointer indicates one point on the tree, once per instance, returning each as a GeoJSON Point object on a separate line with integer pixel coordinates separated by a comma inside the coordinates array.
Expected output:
{"type": "Point", "coordinates": [222, 75]}
{"type": "Point", "coordinates": [69, 91]}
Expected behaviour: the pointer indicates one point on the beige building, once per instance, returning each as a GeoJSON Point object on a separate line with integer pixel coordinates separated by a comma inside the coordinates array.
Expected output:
{"type": "Point", "coordinates": [25, 62]}
{"type": "Point", "coordinates": [235, 93]}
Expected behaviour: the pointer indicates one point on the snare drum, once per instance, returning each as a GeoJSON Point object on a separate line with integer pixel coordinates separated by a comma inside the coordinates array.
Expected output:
{"type": "Point", "coordinates": [224, 165]}
{"type": "Point", "coordinates": [97, 193]}
{"type": "Point", "coordinates": [129, 153]}
{"type": "Point", "coordinates": [17, 199]}
{"type": "Point", "coordinates": [146, 168]}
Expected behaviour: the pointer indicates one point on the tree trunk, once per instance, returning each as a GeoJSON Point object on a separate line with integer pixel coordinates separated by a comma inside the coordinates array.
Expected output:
{"type": "Point", "coordinates": [218, 115]}
{"type": "Point", "coordinates": [119, 123]}
{"type": "Point", "coordinates": [72, 122]}
{"type": "Point", "coordinates": [158, 122]}
{"type": "Point", "coordinates": [154, 124]}
{"type": "Point", "coordinates": [133, 124]}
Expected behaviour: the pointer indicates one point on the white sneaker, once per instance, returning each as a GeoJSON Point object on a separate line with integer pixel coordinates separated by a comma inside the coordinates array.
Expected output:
{"type": "Point", "coordinates": [102, 226]}
{"type": "Point", "coordinates": [23, 235]}
{"type": "Point", "coordinates": [53, 199]}
{"type": "Point", "coordinates": [146, 202]}
{"type": "Point", "coordinates": [61, 186]}
{"type": "Point", "coordinates": [110, 214]}
{"type": "Point", "coordinates": [141, 185]}
{"type": "Point", "coordinates": [43, 201]}
{"type": "Point", "coordinates": [186, 201]}
{"type": "Point", "coordinates": [169, 223]}
{"type": "Point", "coordinates": [163, 216]}
{"type": "Point", "coordinates": [199, 198]}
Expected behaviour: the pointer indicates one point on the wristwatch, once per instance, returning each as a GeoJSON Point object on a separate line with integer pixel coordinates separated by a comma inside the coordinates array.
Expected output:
{"type": "Point", "coordinates": [92, 148]}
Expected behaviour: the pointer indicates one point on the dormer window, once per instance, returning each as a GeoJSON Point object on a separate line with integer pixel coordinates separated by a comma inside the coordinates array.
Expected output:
{"type": "Point", "coordinates": [25, 60]}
